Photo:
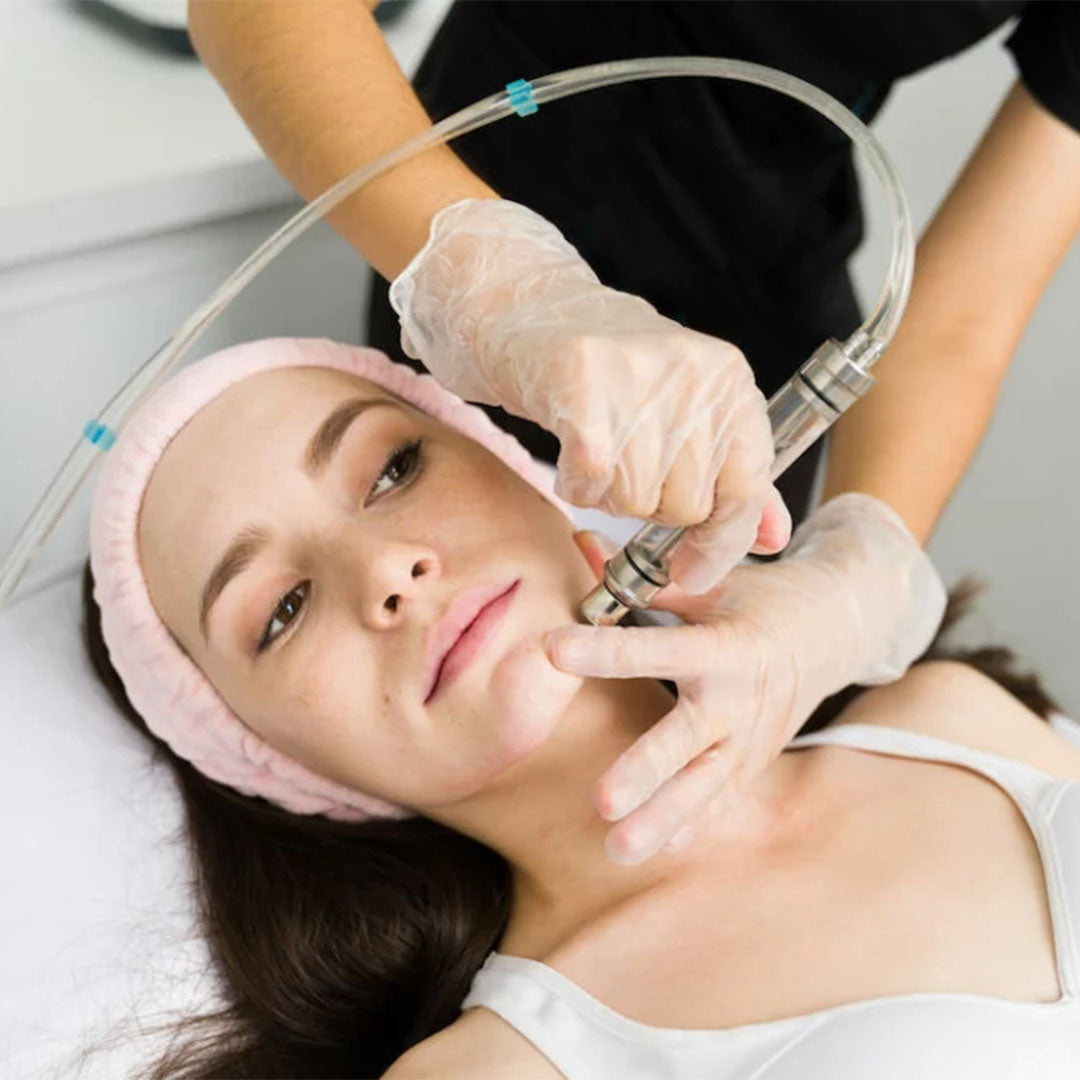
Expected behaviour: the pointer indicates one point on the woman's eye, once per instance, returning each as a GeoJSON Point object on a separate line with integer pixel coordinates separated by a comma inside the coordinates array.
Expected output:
{"type": "Point", "coordinates": [400, 467]}
{"type": "Point", "coordinates": [287, 609]}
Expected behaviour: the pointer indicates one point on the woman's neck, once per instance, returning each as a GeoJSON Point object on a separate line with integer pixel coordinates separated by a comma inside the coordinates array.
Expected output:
{"type": "Point", "coordinates": [540, 817]}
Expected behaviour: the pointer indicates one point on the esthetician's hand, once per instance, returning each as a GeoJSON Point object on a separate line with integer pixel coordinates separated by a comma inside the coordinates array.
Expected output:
{"type": "Point", "coordinates": [853, 600]}
{"type": "Point", "coordinates": [654, 420]}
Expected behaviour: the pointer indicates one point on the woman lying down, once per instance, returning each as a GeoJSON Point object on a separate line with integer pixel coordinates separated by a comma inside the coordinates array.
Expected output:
{"type": "Point", "coordinates": [327, 587]}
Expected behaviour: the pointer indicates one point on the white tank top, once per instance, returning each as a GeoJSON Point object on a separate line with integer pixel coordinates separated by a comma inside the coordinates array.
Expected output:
{"type": "Point", "coordinates": [928, 1036]}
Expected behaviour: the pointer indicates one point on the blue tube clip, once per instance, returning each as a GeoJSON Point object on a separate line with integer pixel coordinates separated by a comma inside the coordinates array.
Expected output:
{"type": "Point", "coordinates": [521, 97]}
{"type": "Point", "coordinates": [101, 435]}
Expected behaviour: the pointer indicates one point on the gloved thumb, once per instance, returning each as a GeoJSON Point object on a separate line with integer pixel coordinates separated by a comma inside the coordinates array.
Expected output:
{"type": "Point", "coordinates": [774, 528]}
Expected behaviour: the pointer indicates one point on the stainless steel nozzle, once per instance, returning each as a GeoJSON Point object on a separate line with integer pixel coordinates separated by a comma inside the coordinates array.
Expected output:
{"type": "Point", "coordinates": [628, 584]}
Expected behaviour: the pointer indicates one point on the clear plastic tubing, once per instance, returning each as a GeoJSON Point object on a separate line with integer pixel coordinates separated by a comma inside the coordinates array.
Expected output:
{"type": "Point", "coordinates": [865, 344]}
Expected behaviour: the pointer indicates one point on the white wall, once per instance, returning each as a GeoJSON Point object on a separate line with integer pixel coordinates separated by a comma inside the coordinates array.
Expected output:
{"type": "Point", "coordinates": [72, 331]}
{"type": "Point", "coordinates": [1015, 519]}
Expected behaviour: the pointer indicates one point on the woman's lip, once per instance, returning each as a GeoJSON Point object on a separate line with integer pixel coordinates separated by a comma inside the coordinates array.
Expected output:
{"type": "Point", "coordinates": [472, 639]}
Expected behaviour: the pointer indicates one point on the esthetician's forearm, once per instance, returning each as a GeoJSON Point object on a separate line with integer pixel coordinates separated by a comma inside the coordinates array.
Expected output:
{"type": "Point", "coordinates": [321, 91]}
{"type": "Point", "coordinates": [980, 269]}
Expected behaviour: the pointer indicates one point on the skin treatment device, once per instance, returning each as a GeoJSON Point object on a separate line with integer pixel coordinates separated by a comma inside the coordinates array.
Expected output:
{"type": "Point", "coordinates": [828, 383]}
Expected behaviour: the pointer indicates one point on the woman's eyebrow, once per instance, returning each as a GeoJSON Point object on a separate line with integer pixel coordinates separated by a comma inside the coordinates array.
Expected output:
{"type": "Point", "coordinates": [238, 555]}
{"type": "Point", "coordinates": [332, 430]}
{"type": "Point", "coordinates": [252, 539]}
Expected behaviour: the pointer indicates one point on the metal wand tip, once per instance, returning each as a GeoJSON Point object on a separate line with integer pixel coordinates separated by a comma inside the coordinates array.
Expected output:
{"type": "Point", "coordinates": [601, 608]}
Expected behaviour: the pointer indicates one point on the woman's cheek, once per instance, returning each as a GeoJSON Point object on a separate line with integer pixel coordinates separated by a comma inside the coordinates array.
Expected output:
{"type": "Point", "coordinates": [528, 697]}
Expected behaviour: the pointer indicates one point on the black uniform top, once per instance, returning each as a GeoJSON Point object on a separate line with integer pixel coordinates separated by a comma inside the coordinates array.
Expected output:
{"type": "Point", "coordinates": [729, 207]}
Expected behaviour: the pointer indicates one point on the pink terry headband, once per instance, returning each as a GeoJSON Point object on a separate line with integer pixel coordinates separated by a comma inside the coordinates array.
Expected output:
{"type": "Point", "coordinates": [169, 692]}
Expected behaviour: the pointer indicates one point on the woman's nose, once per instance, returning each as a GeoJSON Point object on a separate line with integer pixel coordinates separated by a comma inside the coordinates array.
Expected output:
{"type": "Point", "coordinates": [387, 577]}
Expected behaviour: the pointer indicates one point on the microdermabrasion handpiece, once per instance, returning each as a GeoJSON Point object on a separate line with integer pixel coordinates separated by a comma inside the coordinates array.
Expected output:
{"type": "Point", "coordinates": [825, 387]}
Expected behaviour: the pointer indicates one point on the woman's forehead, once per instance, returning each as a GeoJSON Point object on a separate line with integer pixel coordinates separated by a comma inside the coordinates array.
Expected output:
{"type": "Point", "coordinates": [250, 412]}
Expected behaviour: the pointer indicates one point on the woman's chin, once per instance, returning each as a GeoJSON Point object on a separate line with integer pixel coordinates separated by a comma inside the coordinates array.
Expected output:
{"type": "Point", "coordinates": [527, 696]}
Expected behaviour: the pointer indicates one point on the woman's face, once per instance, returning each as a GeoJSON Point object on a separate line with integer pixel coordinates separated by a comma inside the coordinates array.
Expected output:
{"type": "Point", "coordinates": [304, 537]}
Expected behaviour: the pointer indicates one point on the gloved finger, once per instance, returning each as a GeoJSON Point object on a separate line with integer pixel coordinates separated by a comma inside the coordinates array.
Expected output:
{"type": "Point", "coordinates": [705, 607]}
{"type": "Point", "coordinates": [747, 764]}
{"type": "Point", "coordinates": [698, 790]}
{"type": "Point", "coordinates": [686, 494]}
{"type": "Point", "coordinates": [646, 447]}
{"type": "Point", "coordinates": [774, 528]}
{"type": "Point", "coordinates": [686, 732]}
{"type": "Point", "coordinates": [584, 468]}
{"type": "Point", "coordinates": [684, 837]}
{"type": "Point", "coordinates": [634, 491]}
{"type": "Point", "coordinates": [629, 652]}
{"type": "Point", "coordinates": [708, 553]}
{"type": "Point", "coordinates": [699, 820]}
{"type": "Point", "coordinates": [709, 550]}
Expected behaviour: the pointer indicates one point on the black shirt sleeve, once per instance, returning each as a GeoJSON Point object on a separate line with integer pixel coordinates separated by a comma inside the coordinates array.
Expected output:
{"type": "Point", "coordinates": [1046, 47]}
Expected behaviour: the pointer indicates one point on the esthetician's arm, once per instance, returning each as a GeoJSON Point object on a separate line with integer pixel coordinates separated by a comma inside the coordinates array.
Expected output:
{"type": "Point", "coordinates": [980, 269]}
{"type": "Point", "coordinates": [321, 91]}
{"type": "Point", "coordinates": [496, 302]}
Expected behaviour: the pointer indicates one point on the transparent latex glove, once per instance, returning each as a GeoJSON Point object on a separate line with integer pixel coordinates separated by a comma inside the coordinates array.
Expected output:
{"type": "Point", "coordinates": [654, 420]}
{"type": "Point", "coordinates": [854, 600]}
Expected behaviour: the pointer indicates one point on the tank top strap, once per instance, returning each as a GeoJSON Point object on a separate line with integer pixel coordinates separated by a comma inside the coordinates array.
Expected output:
{"type": "Point", "coordinates": [1036, 792]}
{"type": "Point", "coordinates": [1049, 804]}
{"type": "Point", "coordinates": [513, 989]}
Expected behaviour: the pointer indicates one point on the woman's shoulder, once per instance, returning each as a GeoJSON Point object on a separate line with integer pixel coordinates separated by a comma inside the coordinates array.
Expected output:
{"type": "Point", "coordinates": [468, 1047]}
{"type": "Point", "coordinates": [954, 701]}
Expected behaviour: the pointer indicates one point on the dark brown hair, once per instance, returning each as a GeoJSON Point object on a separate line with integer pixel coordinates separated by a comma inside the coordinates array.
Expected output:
{"type": "Point", "coordinates": [341, 945]}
